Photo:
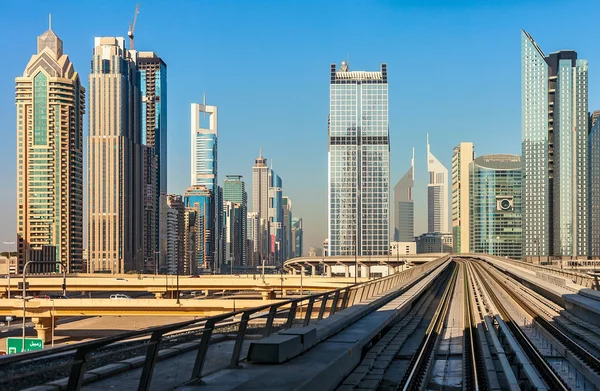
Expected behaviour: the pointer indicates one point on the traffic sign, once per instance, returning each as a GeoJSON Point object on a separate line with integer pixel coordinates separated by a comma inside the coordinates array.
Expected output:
{"type": "Point", "coordinates": [15, 345]}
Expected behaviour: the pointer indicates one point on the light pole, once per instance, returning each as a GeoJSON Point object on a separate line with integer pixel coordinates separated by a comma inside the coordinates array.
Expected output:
{"type": "Point", "coordinates": [52, 322]}
{"type": "Point", "coordinates": [156, 262]}
{"type": "Point", "coordinates": [178, 294]}
{"type": "Point", "coordinates": [355, 262]}
{"type": "Point", "coordinates": [24, 302]}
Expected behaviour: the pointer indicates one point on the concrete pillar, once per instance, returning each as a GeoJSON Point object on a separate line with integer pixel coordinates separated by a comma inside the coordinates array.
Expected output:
{"type": "Point", "coordinates": [328, 270]}
{"type": "Point", "coordinates": [302, 270]}
{"type": "Point", "coordinates": [346, 271]}
{"type": "Point", "coordinates": [294, 271]}
{"type": "Point", "coordinates": [367, 270]}
{"type": "Point", "coordinates": [313, 270]}
{"type": "Point", "coordinates": [390, 269]}
{"type": "Point", "coordinates": [43, 328]}
{"type": "Point", "coordinates": [268, 295]}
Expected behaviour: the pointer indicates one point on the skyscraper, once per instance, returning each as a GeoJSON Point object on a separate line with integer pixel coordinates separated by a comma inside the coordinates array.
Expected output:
{"type": "Point", "coordinates": [554, 94]}
{"type": "Point", "coordinates": [298, 236]}
{"type": "Point", "coordinates": [260, 204]}
{"type": "Point", "coordinates": [49, 157]}
{"type": "Point", "coordinates": [234, 190]}
{"type": "Point", "coordinates": [461, 158]}
{"type": "Point", "coordinates": [358, 160]}
{"type": "Point", "coordinates": [594, 186]}
{"type": "Point", "coordinates": [404, 206]}
{"type": "Point", "coordinates": [495, 204]}
{"type": "Point", "coordinates": [115, 179]}
{"type": "Point", "coordinates": [286, 204]}
{"type": "Point", "coordinates": [199, 229]}
{"type": "Point", "coordinates": [234, 240]}
{"type": "Point", "coordinates": [437, 194]}
{"type": "Point", "coordinates": [253, 242]}
{"type": "Point", "coordinates": [153, 85]}
{"type": "Point", "coordinates": [204, 145]}
{"type": "Point", "coordinates": [175, 233]}
{"type": "Point", "coordinates": [275, 237]}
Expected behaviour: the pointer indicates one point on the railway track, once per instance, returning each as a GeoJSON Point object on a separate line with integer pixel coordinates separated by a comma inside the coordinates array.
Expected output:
{"type": "Point", "coordinates": [510, 338]}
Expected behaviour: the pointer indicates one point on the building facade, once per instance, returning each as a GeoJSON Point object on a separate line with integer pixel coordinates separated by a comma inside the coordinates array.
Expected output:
{"type": "Point", "coordinates": [463, 155]}
{"type": "Point", "coordinates": [115, 154]}
{"type": "Point", "coordinates": [153, 86]}
{"type": "Point", "coordinates": [554, 98]}
{"type": "Point", "coordinates": [437, 194]}
{"type": "Point", "coordinates": [261, 181]}
{"type": "Point", "coordinates": [175, 232]}
{"type": "Point", "coordinates": [235, 244]}
{"type": "Point", "coordinates": [287, 228]}
{"type": "Point", "coordinates": [297, 235]}
{"type": "Point", "coordinates": [594, 186]}
{"type": "Point", "coordinates": [199, 230]}
{"type": "Point", "coordinates": [434, 242]}
{"type": "Point", "coordinates": [358, 161]}
{"type": "Point", "coordinates": [234, 190]}
{"type": "Point", "coordinates": [275, 222]}
{"type": "Point", "coordinates": [404, 206]}
{"type": "Point", "coordinates": [50, 103]}
{"type": "Point", "coordinates": [495, 205]}
{"type": "Point", "coordinates": [253, 241]}
{"type": "Point", "coordinates": [204, 146]}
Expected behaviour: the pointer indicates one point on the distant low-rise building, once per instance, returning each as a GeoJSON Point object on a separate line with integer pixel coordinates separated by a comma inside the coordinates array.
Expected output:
{"type": "Point", "coordinates": [434, 242]}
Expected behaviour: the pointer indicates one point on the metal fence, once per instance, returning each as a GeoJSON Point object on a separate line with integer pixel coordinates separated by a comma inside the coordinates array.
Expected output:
{"type": "Point", "coordinates": [65, 366]}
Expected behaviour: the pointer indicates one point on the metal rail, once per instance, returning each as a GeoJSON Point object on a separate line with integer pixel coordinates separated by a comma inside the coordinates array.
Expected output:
{"type": "Point", "coordinates": [299, 311]}
{"type": "Point", "coordinates": [420, 363]}
{"type": "Point", "coordinates": [588, 358]}
{"type": "Point", "coordinates": [547, 373]}
{"type": "Point", "coordinates": [474, 378]}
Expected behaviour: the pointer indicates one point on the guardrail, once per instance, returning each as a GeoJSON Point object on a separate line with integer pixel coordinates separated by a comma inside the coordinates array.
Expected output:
{"type": "Point", "coordinates": [586, 280]}
{"type": "Point", "coordinates": [70, 363]}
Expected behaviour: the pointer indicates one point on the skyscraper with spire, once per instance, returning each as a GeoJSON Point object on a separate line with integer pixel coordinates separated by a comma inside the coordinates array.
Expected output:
{"type": "Point", "coordinates": [437, 194]}
{"type": "Point", "coordinates": [404, 206]}
{"type": "Point", "coordinates": [261, 181]}
{"type": "Point", "coordinates": [50, 104]}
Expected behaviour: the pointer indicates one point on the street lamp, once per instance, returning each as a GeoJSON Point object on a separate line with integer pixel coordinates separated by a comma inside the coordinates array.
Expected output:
{"type": "Point", "coordinates": [24, 301]}
{"type": "Point", "coordinates": [52, 300]}
{"type": "Point", "coordinates": [355, 262]}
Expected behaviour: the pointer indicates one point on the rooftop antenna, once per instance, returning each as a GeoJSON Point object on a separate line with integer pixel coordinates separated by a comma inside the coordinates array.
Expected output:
{"type": "Point", "coordinates": [260, 152]}
{"type": "Point", "coordinates": [49, 21]}
{"type": "Point", "coordinates": [132, 27]}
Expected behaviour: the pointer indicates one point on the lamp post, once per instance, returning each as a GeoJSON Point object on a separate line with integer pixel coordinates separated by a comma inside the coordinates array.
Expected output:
{"type": "Point", "coordinates": [178, 294]}
{"type": "Point", "coordinates": [355, 262]}
{"type": "Point", "coordinates": [24, 301]}
{"type": "Point", "coordinates": [52, 322]}
{"type": "Point", "coordinates": [156, 262]}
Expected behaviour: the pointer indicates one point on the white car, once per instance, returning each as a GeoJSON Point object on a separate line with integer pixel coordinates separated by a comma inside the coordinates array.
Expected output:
{"type": "Point", "coordinates": [119, 296]}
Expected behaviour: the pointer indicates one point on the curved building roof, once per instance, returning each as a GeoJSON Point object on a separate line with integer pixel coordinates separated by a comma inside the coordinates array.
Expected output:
{"type": "Point", "coordinates": [499, 162]}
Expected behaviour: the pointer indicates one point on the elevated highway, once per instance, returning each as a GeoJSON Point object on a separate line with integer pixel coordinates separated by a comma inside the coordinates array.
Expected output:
{"type": "Point", "coordinates": [163, 285]}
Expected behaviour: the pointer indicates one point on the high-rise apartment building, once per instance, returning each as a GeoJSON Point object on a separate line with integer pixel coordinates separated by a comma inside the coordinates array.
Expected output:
{"type": "Point", "coordinates": [358, 160]}
{"type": "Point", "coordinates": [50, 104]}
{"type": "Point", "coordinates": [437, 194]}
{"type": "Point", "coordinates": [199, 230]}
{"type": "Point", "coordinates": [275, 222]}
{"type": "Point", "coordinates": [175, 232]}
{"type": "Point", "coordinates": [404, 206]}
{"type": "Point", "coordinates": [298, 236]}
{"type": "Point", "coordinates": [554, 98]}
{"type": "Point", "coordinates": [153, 86]}
{"type": "Point", "coordinates": [463, 155]}
{"type": "Point", "coordinates": [115, 161]}
{"type": "Point", "coordinates": [235, 244]}
{"type": "Point", "coordinates": [495, 204]}
{"type": "Point", "coordinates": [253, 242]}
{"type": "Point", "coordinates": [234, 190]}
{"type": "Point", "coordinates": [286, 204]}
{"type": "Point", "coordinates": [594, 186]}
{"type": "Point", "coordinates": [261, 181]}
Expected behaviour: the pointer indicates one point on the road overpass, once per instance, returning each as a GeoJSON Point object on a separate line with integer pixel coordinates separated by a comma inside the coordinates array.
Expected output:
{"type": "Point", "coordinates": [164, 285]}
{"type": "Point", "coordinates": [392, 262]}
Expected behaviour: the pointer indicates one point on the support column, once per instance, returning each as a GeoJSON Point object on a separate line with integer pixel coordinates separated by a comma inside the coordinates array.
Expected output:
{"type": "Point", "coordinates": [268, 295]}
{"type": "Point", "coordinates": [346, 271]}
{"type": "Point", "coordinates": [313, 270]}
{"type": "Point", "coordinates": [367, 270]}
{"type": "Point", "coordinates": [328, 270]}
{"type": "Point", "coordinates": [43, 328]}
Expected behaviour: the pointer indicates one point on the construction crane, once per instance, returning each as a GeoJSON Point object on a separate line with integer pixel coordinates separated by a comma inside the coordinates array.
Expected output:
{"type": "Point", "coordinates": [132, 27]}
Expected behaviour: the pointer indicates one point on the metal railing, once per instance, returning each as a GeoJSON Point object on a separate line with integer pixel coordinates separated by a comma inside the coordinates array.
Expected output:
{"type": "Point", "coordinates": [73, 361]}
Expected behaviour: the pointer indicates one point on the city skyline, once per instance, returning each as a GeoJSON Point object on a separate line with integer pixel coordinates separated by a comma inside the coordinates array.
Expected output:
{"type": "Point", "coordinates": [310, 206]}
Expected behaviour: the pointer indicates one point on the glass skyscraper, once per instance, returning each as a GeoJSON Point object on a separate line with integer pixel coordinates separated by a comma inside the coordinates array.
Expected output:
{"type": "Point", "coordinates": [234, 190]}
{"type": "Point", "coordinates": [594, 185]}
{"type": "Point", "coordinates": [204, 146]}
{"type": "Point", "coordinates": [495, 205]}
{"type": "Point", "coordinates": [404, 206]}
{"type": "Point", "coordinates": [554, 91]}
{"type": "Point", "coordinates": [359, 160]}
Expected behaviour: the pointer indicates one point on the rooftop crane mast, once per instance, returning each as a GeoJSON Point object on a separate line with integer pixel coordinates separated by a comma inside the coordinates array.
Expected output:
{"type": "Point", "coordinates": [132, 27]}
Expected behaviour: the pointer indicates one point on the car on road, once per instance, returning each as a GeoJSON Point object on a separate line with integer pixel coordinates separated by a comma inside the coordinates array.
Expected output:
{"type": "Point", "coordinates": [121, 279]}
{"type": "Point", "coordinates": [195, 276]}
{"type": "Point", "coordinates": [197, 293]}
{"type": "Point", "coordinates": [119, 296]}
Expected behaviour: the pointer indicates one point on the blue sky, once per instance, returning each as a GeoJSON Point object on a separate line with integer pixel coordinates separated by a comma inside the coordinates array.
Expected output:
{"type": "Point", "coordinates": [454, 72]}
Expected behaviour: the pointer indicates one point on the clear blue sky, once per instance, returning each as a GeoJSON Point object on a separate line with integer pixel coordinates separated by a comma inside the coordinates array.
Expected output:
{"type": "Point", "coordinates": [454, 71]}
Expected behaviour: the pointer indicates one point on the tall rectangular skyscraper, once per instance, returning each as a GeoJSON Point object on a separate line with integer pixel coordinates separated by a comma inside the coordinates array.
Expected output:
{"type": "Point", "coordinates": [153, 85]}
{"type": "Point", "coordinates": [437, 194]}
{"type": "Point", "coordinates": [461, 158]}
{"type": "Point", "coordinates": [261, 178]}
{"type": "Point", "coordinates": [404, 206]}
{"type": "Point", "coordinates": [204, 146]}
{"type": "Point", "coordinates": [115, 169]}
{"type": "Point", "coordinates": [359, 160]}
{"type": "Point", "coordinates": [234, 190]}
{"type": "Point", "coordinates": [554, 98]}
{"type": "Point", "coordinates": [50, 106]}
